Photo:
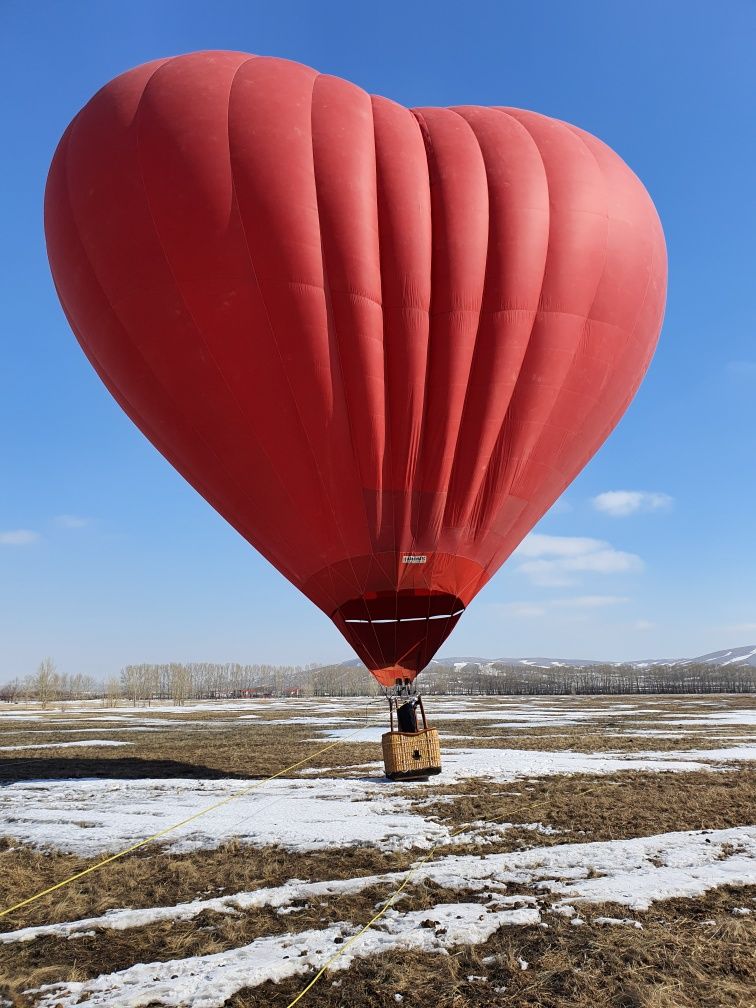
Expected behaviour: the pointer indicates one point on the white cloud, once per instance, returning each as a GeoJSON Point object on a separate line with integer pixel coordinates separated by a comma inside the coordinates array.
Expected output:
{"type": "Point", "coordinates": [621, 503]}
{"type": "Point", "coordinates": [556, 559]}
{"type": "Point", "coordinates": [589, 601]}
{"type": "Point", "coordinates": [606, 561]}
{"type": "Point", "coordinates": [546, 574]}
{"type": "Point", "coordinates": [525, 610]}
{"type": "Point", "coordinates": [539, 545]}
{"type": "Point", "coordinates": [522, 610]}
{"type": "Point", "coordinates": [18, 537]}
{"type": "Point", "coordinates": [70, 521]}
{"type": "Point", "coordinates": [643, 624]}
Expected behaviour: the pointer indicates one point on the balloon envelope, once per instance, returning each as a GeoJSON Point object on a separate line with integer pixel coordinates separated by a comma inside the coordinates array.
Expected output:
{"type": "Point", "coordinates": [379, 341]}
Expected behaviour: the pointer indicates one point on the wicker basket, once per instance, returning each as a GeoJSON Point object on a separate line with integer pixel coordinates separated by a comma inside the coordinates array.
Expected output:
{"type": "Point", "coordinates": [411, 754]}
{"type": "Point", "coordinates": [408, 755]}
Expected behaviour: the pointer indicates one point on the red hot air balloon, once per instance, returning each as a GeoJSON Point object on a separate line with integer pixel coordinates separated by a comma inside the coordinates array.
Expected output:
{"type": "Point", "coordinates": [379, 341]}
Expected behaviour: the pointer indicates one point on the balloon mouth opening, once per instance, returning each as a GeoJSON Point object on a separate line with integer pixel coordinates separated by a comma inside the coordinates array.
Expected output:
{"type": "Point", "coordinates": [404, 606]}
{"type": "Point", "coordinates": [398, 632]}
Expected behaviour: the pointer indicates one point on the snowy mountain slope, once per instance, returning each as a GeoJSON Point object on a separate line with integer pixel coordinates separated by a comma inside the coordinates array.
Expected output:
{"type": "Point", "coordinates": [737, 657]}
{"type": "Point", "coordinates": [740, 657]}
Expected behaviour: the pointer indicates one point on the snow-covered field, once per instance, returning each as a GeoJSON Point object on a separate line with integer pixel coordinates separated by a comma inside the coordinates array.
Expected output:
{"type": "Point", "coordinates": [500, 880]}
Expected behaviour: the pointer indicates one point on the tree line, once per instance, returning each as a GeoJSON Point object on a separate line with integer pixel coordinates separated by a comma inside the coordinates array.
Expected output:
{"type": "Point", "coordinates": [177, 682]}
{"type": "Point", "coordinates": [500, 679]}
{"type": "Point", "coordinates": [47, 685]}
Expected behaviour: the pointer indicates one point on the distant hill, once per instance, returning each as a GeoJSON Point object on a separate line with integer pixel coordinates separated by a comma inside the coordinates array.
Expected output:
{"type": "Point", "coordinates": [740, 657]}
{"type": "Point", "coordinates": [737, 657]}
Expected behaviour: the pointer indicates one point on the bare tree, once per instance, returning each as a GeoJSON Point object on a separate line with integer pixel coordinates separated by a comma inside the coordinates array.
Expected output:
{"type": "Point", "coordinates": [180, 683]}
{"type": "Point", "coordinates": [12, 691]}
{"type": "Point", "coordinates": [111, 691]}
{"type": "Point", "coordinates": [131, 682]}
{"type": "Point", "coordinates": [45, 685]}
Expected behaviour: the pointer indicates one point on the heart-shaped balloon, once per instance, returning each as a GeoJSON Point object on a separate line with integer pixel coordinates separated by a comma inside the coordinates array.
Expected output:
{"type": "Point", "coordinates": [379, 341]}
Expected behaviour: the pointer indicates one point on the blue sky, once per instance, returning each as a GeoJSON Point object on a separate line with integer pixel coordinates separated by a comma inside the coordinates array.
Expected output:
{"type": "Point", "coordinates": [108, 557]}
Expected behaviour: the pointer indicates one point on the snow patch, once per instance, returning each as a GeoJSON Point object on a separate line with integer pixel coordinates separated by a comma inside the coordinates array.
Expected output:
{"type": "Point", "coordinates": [97, 816]}
{"type": "Point", "coordinates": [634, 873]}
{"type": "Point", "coordinates": [298, 814]}
{"type": "Point", "coordinates": [209, 981]}
{"type": "Point", "coordinates": [83, 743]}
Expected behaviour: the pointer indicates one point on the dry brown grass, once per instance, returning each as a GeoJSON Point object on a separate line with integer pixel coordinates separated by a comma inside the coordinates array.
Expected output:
{"type": "Point", "coordinates": [602, 738]}
{"type": "Point", "coordinates": [679, 960]}
{"type": "Point", "coordinates": [627, 804]}
{"type": "Point", "coordinates": [694, 950]}
{"type": "Point", "coordinates": [587, 808]}
{"type": "Point", "coordinates": [224, 743]}
{"type": "Point", "coordinates": [676, 961]}
{"type": "Point", "coordinates": [154, 877]}
{"type": "Point", "coordinates": [243, 752]}
{"type": "Point", "coordinates": [208, 933]}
